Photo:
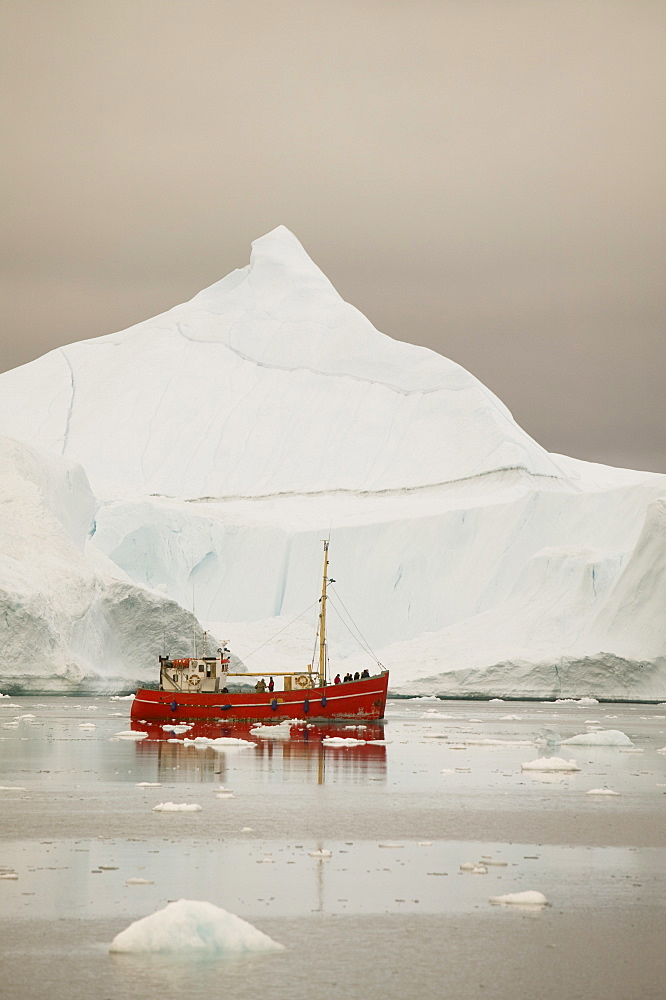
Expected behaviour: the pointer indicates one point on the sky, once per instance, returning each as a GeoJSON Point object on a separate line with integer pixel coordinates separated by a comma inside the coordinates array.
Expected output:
{"type": "Point", "coordinates": [481, 177]}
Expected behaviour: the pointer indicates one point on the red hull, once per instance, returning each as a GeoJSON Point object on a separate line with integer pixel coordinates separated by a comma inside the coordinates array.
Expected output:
{"type": "Point", "coordinates": [354, 700]}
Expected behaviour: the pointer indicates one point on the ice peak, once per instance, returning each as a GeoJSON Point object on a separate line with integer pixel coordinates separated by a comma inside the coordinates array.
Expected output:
{"type": "Point", "coordinates": [280, 257]}
{"type": "Point", "coordinates": [279, 267]}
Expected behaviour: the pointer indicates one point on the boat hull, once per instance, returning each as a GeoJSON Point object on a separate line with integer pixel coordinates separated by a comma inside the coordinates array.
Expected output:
{"type": "Point", "coordinates": [353, 700]}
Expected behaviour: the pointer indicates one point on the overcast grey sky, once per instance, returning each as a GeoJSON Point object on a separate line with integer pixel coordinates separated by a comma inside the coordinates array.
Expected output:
{"type": "Point", "coordinates": [485, 178]}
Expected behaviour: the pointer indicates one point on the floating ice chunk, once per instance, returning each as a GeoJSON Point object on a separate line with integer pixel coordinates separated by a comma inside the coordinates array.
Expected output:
{"type": "Point", "coordinates": [321, 854]}
{"type": "Point", "coordinates": [224, 794]}
{"type": "Point", "coordinates": [9, 875]}
{"type": "Point", "coordinates": [281, 731]}
{"type": "Point", "coordinates": [527, 898]}
{"type": "Point", "coordinates": [601, 791]}
{"type": "Point", "coordinates": [192, 926]}
{"type": "Point", "coordinates": [12, 788]}
{"type": "Point", "coordinates": [601, 738]}
{"type": "Point", "coordinates": [447, 770]}
{"type": "Point", "coordinates": [510, 718]}
{"type": "Point", "coordinates": [221, 741]}
{"type": "Point", "coordinates": [139, 881]}
{"type": "Point", "coordinates": [340, 741]}
{"type": "Point", "coordinates": [181, 727]}
{"type": "Point", "coordinates": [424, 843]}
{"type": "Point", "coordinates": [389, 844]}
{"type": "Point", "coordinates": [549, 777]}
{"type": "Point", "coordinates": [129, 734]}
{"type": "Point", "coordinates": [87, 725]}
{"type": "Point", "coordinates": [473, 868]}
{"type": "Point", "coordinates": [495, 699]}
{"type": "Point", "coordinates": [478, 741]}
{"type": "Point", "coordinates": [494, 863]}
{"type": "Point", "coordinates": [661, 750]}
{"type": "Point", "coordinates": [122, 697]}
{"type": "Point", "coordinates": [550, 764]}
{"type": "Point", "coordinates": [148, 784]}
{"type": "Point", "coordinates": [632, 750]}
{"type": "Point", "coordinates": [173, 807]}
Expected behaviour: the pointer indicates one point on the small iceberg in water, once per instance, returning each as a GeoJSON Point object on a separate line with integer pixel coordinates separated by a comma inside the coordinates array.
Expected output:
{"type": "Point", "coordinates": [191, 926]}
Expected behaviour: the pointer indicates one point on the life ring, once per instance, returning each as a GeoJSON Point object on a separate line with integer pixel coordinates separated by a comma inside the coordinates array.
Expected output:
{"type": "Point", "coordinates": [302, 681]}
{"type": "Point", "coordinates": [194, 679]}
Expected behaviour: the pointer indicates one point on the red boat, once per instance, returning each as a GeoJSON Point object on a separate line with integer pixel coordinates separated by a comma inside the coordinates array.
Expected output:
{"type": "Point", "coordinates": [195, 688]}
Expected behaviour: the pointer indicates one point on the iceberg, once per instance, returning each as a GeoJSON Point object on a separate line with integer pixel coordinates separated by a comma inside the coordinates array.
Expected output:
{"type": "Point", "coordinates": [195, 927]}
{"type": "Point", "coordinates": [221, 438]}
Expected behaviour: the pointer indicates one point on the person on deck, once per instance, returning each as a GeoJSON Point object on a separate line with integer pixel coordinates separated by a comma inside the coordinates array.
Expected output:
{"type": "Point", "coordinates": [260, 686]}
{"type": "Point", "coordinates": [337, 679]}
{"type": "Point", "coordinates": [271, 684]}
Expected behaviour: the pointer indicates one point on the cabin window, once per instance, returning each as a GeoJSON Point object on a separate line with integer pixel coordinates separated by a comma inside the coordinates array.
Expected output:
{"type": "Point", "coordinates": [201, 668]}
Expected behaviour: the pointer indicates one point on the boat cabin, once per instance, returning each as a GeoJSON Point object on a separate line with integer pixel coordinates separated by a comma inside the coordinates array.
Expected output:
{"type": "Point", "coordinates": [195, 673]}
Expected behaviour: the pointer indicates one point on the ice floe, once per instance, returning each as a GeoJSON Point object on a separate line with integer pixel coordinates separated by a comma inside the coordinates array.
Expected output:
{"type": "Point", "coordinates": [193, 926]}
{"type": "Point", "coordinates": [220, 741]}
{"type": "Point", "coordinates": [550, 764]}
{"type": "Point", "coordinates": [341, 741]}
{"type": "Point", "coordinates": [600, 738]}
{"type": "Point", "coordinates": [279, 731]}
{"type": "Point", "coordinates": [528, 898]}
{"type": "Point", "coordinates": [176, 807]}
{"type": "Point", "coordinates": [601, 791]}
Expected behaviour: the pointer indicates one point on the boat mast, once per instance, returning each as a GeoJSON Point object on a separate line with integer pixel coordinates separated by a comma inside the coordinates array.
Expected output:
{"type": "Point", "coordinates": [322, 622]}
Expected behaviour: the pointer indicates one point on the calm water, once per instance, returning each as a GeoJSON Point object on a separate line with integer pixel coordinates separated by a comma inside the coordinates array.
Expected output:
{"type": "Point", "coordinates": [390, 913]}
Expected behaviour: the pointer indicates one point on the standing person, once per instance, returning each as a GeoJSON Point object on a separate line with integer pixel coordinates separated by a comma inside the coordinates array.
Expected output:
{"type": "Point", "coordinates": [271, 684]}
{"type": "Point", "coordinates": [337, 679]}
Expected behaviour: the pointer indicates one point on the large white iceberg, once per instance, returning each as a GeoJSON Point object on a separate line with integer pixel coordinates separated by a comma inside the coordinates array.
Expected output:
{"type": "Point", "coordinates": [195, 927]}
{"type": "Point", "coordinates": [229, 435]}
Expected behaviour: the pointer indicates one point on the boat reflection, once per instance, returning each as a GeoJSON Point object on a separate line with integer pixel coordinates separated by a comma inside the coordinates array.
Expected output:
{"type": "Point", "coordinates": [302, 753]}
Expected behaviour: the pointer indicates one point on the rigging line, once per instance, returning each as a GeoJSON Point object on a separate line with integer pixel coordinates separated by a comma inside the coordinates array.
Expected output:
{"type": "Point", "coordinates": [360, 638]}
{"type": "Point", "coordinates": [279, 631]}
{"type": "Point", "coordinates": [365, 647]}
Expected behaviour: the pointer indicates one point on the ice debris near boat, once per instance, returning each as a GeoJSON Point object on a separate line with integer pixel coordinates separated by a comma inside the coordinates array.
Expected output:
{"type": "Point", "coordinates": [321, 420]}
{"type": "Point", "coordinates": [191, 926]}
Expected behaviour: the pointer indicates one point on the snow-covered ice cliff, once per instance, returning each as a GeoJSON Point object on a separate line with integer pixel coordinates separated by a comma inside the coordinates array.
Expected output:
{"type": "Point", "coordinates": [70, 619]}
{"type": "Point", "coordinates": [229, 435]}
